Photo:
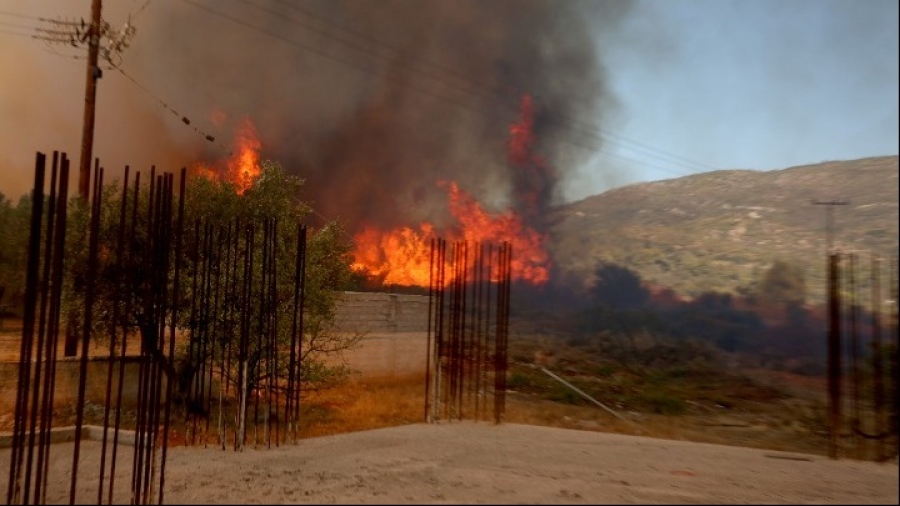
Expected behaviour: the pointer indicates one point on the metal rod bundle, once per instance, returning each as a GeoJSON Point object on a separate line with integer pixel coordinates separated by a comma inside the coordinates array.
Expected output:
{"type": "Point", "coordinates": [245, 333]}
{"type": "Point", "coordinates": [467, 331]}
{"type": "Point", "coordinates": [871, 381]}
{"type": "Point", "coordinates": [43, 289]}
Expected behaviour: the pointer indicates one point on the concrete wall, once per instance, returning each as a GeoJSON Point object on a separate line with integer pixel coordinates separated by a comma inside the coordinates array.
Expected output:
{"type": "Point", "coordinates": [394, 329]}
{"type": "Point", "coordinates": [66, 384]}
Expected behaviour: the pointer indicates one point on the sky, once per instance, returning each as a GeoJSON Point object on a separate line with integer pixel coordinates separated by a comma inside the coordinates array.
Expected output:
{"type": "Point", "coordinates": [739, 84]}
{"type": "Point", "coordinates": [688, 86]}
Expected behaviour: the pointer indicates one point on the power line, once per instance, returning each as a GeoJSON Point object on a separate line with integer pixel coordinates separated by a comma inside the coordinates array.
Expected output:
{"type": "Point", "coordinates": [17, 34]}
{"type": "Point", "coordinates": [594, 134]}
{"type": "Point", "coordinates": [829, 219]}
{"type": "Point", "coordinates": [470, 86]}
{"type": "Point", "coordinates": [317, 51]}
{"type": "Point", "coordinates": [16, 25]}
{"type": "Point", "coordinates": [24, 16]}
{"type": "Point", "coordinates": [111, 44]}
{"type": "Point", "coordinates": [118, 40]}
{"type": "Point", "coordinates": [468, 82]}
{"type": "Point", "coordinates": [140, 10]}
{"type": "Point", "coordinates": [166, 106]}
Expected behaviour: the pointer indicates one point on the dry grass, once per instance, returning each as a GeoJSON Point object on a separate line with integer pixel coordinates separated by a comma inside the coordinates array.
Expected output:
{"type": "Point", "coordinates": [384, 402]}
{"type": "Point", "coordinates": [359, 404]}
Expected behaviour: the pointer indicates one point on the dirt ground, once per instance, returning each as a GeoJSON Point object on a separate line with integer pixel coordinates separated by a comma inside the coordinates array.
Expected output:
{"type": "Point", "coordinates": [479, 462]}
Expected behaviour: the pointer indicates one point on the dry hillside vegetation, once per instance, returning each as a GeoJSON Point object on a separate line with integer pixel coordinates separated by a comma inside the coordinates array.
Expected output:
{"type": "Point", "coordinates": [719, 231]}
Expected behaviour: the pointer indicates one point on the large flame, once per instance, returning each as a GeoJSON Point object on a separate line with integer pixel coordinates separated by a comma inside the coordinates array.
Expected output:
{"type": "Point", "coordinates": [403, 256]}
{"type": "Point", "coordinates": [243, 167]}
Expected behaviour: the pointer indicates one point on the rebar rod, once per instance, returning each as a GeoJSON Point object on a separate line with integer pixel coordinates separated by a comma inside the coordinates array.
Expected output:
{"type": "Point", "coordinates": [877, 358]}
{"type": "Point", "coordinates": [93, 242]}
{"type": "Point", "coordinates": [44, 289]}
{"type": "Point", "coordinates": [26, 342]}
{"type": "Point", "coordinates": [427, 417]}
{"type": "Point", "coordinates": [53, 329]}
{"type": "Point", "coordinates": [117, 268]}
{"type": "Point", "coordinates": [834, 354]}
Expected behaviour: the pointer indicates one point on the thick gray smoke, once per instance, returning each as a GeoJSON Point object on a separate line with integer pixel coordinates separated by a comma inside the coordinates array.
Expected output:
{"type": "Point", "coordinates": [373, 102]}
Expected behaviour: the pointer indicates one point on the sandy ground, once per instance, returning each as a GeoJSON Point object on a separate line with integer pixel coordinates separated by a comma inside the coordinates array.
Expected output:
{"type": "Point", "coordinates": [466, 462]}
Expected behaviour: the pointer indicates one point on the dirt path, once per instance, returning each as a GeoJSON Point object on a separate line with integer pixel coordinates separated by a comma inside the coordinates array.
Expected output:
{"type": "Point", "coordinates": [485, 463]}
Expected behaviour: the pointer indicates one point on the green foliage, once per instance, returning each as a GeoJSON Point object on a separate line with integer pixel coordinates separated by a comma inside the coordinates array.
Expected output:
{"type": "Point", "coordinates": [618, 288]}
{"type": "Point", "coordinates": [721, 230]}
{"type": "Point", "coordinates": [605, 370]}
{"type": "Point", "coordinates": [604, 319]}
{"type": "Point", "coordinates": [561, 393]}
{"type": "Point", "coordinates": [783, 282]}
{"type": "Point", "coordinates": [664, 403]}
{"type": "Point", "coordinates": [14, 233]}
{"type": "Point", "coordinates": [215, 214]}
{"type": "Point", "coordinates": [519, 381]}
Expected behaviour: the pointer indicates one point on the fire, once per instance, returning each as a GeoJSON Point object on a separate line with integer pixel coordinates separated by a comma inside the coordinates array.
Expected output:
{"type": "Point", "coordinates": [403, 256]}
{"type": "Point", "coordinates": [243, 167]}
{"type": "Point", "coordinates": [521, 134]}
{"type": "Point", "coordinates": [529, 261]}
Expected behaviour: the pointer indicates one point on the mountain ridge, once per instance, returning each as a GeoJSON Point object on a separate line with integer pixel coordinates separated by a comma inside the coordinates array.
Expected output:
{"type": "Point", "coordinates": [720, 230]}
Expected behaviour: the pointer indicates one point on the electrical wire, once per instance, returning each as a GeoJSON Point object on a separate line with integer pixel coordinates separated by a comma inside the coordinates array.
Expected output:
{"type": "Point", "coordinates": [17, 34]}
{"type": "Point", "coordinates": [184, 119]}
{"type": "Point", "coordinates": [586, 130]}
{"type": "Point", "coordinates": [491, 92]}
{"type": "Point", "coordinates": [367, 46]}
{"type": "Point", "coordinates": [24, 16]}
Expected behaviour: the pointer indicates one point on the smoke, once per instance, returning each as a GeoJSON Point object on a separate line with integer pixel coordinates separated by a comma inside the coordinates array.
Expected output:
{"type": "Point", "coordinates": [374, 102]}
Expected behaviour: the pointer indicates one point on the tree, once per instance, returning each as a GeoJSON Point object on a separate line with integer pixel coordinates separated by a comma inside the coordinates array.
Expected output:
{"type": "Point", "coordinates": [618, 288]}
{"type": "Point", "coordinates": [219, 223]}
{"type": "Point", "coordinates": [782, 283]}
{"type": "Point", "coordinates": [14, 230]}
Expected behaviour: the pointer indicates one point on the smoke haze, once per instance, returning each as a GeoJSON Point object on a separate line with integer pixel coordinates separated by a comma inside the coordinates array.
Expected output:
{"type": "Point", "coordinates": [371, 102]}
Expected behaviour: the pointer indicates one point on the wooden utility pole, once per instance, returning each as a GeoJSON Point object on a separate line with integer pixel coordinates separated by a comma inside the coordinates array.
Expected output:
{"type": "Point", "coordinates": [829, 218]}
{"type": "Point", "coordinates": [90, 99]}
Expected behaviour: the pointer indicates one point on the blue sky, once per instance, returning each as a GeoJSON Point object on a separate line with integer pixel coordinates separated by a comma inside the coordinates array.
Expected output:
{"type": "Point", "coordinates": [738, 84]}
{"type": "Point", "coordinates": [698, 85]}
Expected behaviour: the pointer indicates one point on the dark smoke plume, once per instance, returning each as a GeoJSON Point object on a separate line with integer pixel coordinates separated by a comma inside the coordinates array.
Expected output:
{"type": "Point", "coordinates": [375, 101]}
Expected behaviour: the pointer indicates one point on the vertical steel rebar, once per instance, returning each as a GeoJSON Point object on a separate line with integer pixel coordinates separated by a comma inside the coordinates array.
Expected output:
{"type": "Point", "coordinates": [117, 267]}
{"type": "Point", "coordinates": [834, 354]}
{"type": "Point", "coordinates": [24, 377]}
{"type": "Point", "coordinates": [427, 416]}
{"type": "Point", "coordinates": [878, 391]}
{"type": "Point", "coordinates": [853, 333]}
{"type": "Point", "coordinates": [93, 242]}
{"type": "Point", "coordinates": [50, 352]}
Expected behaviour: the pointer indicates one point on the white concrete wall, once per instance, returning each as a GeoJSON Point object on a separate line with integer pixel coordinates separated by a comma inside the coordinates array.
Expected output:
{"type": "Point", "coordinates": [394, 329]}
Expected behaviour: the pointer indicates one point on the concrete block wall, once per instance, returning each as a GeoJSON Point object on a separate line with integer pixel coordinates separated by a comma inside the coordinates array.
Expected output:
{"type": "Point", "coordinates": [382, 312]}
{"type": "Point", "coordinates": [67, 375]}
{"type": "Point", "coordinates": [394, 330]}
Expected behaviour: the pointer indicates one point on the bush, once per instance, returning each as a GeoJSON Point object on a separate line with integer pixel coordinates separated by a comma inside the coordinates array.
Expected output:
{"type": "Point", "coordinates": [519, 381]}
{"type": "Point", "coordinates": [565, 395]}
{"type": "Point", "coordinates": [664, 403]}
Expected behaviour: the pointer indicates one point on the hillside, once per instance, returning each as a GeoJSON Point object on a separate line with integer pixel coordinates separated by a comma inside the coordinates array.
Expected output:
{"type": "Point", "coordinates": [719, 231]}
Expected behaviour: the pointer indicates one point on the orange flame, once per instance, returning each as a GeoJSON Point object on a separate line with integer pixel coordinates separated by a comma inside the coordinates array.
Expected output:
{"type": "Point", "coordinates": [521, 134]}
{"type": "Point", "coordinates": [529, 260]}
{"type": "Point", "coordinates": [243, 167]}
{"type": "Point", "coordinates": [402, 256]}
